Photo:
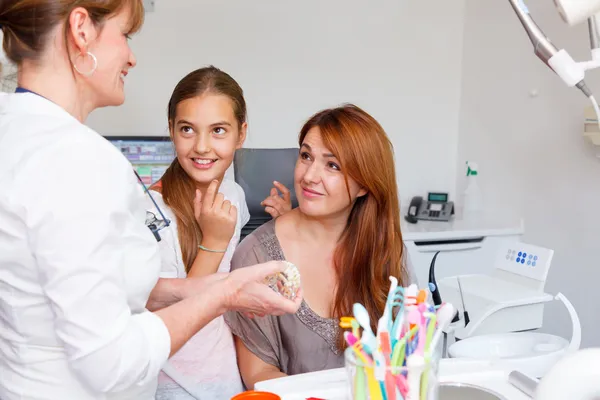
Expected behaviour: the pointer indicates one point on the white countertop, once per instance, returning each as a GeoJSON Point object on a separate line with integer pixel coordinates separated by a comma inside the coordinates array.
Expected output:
{"type": "Point", "coordinates": [487, 224]}
{"type": "Point", "coordinates": [333, 384]}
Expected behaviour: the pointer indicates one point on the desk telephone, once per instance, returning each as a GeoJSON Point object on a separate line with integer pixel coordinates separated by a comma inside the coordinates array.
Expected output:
{"type": "Point", "coordinates": [436, 208]}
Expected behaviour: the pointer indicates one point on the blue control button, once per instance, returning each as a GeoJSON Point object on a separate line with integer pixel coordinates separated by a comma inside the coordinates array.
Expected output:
{"type": "Point", "coordinates": [530, 257]}
{"type": "Point", "coordinates": [431, 286]}
{"type": "Point", "coordinates": [524, 255]}
{"type": "Point", "coordinates": [533, 265]}
{"type": "Point", "coordinates": [518, 259]}
{"type": "Point", "coordinates": [520, 254]}
{"type": "Point", "coordinates": [535, 258]}
{"type": "Point", "coordinates": [528, 262]}
{"type": "Point", "coordinates": [522, 261]}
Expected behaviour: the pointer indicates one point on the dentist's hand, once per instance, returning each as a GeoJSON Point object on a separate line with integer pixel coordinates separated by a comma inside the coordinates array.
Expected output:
{"type": "Point", "coordinates": [277, 205]}
{"type": "Point", "coordinates": [246, 291]}
{"type": "Point", "coordinates": [216, 216]}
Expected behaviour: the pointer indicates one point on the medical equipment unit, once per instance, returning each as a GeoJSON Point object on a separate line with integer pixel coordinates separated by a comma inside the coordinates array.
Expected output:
{"type": "Point", "coordinates": [573, 12]}
{"type": "Point", "coordinates": [501, 310]}
{"type": "Point", "coordinates": [496, 282]}
{"type": "Point", "coordinates": [576, 376]}
{"type": "Point", "coordinates": [510, 298]}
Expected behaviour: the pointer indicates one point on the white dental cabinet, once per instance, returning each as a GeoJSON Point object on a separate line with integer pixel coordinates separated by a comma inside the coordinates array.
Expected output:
{"type": "Point", "coordinates": [501, 293]}
{"type": "Point", "coordinates": [467, 245]}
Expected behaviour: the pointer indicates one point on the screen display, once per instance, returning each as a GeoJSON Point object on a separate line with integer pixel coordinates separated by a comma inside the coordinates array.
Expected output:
{"type": "Point", "coordinates": [150, 156]}
{"type": "Point", "coordinates": [435, 207]}
{"type": "Point", "coordinates": [441, 197]}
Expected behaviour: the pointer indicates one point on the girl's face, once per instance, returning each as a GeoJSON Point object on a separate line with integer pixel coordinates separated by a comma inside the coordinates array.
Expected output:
{"type": "Point", "coordinates": [206, 135]}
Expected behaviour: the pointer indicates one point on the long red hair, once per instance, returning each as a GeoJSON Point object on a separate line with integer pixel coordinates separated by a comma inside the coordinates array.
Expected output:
{"type": "Point", "coordinates": [370, 249]}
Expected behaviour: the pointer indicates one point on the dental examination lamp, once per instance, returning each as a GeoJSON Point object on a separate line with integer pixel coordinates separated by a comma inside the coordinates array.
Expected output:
{"type": "Point", "coordinates": [572, 12]}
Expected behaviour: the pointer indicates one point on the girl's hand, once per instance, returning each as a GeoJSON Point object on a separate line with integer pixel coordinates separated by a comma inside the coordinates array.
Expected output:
{"type": "Point", "coordinates": [277, 204]}
{"type": "Point", "coordinates": [216, 216]}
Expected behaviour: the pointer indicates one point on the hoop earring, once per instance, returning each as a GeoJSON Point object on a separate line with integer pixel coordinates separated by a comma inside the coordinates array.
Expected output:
{"type": "Point", "coordinates": [89, 73]}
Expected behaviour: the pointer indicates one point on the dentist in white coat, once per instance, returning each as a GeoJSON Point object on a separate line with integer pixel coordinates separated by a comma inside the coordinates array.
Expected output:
{"type": "Point", "coordinates": [78, 266]}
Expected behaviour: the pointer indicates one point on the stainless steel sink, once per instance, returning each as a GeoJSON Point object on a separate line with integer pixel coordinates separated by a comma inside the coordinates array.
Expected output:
{"type": "Point", "coordinates": [463, 391]}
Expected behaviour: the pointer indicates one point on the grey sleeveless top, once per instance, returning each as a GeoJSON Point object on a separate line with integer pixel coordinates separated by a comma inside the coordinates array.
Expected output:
{"type": "Point", "coordinates": [295, 343]}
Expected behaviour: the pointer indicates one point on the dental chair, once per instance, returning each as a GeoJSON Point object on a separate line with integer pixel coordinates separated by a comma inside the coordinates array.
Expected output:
{"type": "Point", "coordinates": [255, 170]}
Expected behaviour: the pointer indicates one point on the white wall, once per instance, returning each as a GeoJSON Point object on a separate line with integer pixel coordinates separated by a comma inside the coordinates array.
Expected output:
{"type": "Point", "coordinates": [433, 90]}
{"type": "Point", "coordinates": [532, 155]}
{"type": "Point", "coordinates": [295, 57]}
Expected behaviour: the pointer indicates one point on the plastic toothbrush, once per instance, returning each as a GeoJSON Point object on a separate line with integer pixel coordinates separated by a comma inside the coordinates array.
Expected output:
{"type": "Point", "coordinates": [402, 385]}
{"type": "Point", "coordinates": [374, 388]}
{"type": "Point", "coordinates": [389, 304]}
{"type": "Point", "coordinates": [444, 316]}
{"type": "Point", "coordinates": [359, 378]}
{"type": "Point", "coordinates": [415, 365]}
{"type": "Point", "coordinates": [415, 362]}
{"type": "Point", "coordinates": [398, 324]}
{"type": "Point", "coordinates": [414, 319]}
{"type": "Point", "coordinates": [430, 330]}
{"type": "Point", "coordinates": [384, 355]}
{"type": "Point", "coordinates": [400, 348]}
{"type": "Point", "coordinates": [411, 304]}
{"type": "Point", "coordinates": [422, 321]}
{"type": "Point", "coordinates": [428, 349]}
{"type": "Point", "coordinates": [368, 339]}
{"type": "Point", "coordinates": [410, 301]}
{"type": "Point", "coordinates": [349, 322]}
{"type": "Point", "coordinates": [355, 328]}
{"type": "Point", "coordinates": [383, 351]}
{"type": "Point", "coordinates": [384, 324]}
{"type": "Point", "coordinates": [380, 373]}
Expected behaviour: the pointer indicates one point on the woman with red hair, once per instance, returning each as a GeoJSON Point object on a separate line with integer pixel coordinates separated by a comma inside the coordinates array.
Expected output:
{"type": "Point", "coordinates": [344, 237]}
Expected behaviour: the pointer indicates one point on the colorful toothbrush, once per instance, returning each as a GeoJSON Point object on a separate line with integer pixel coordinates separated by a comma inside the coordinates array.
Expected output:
{"type": "Point", "coordinates": [359, 378]}
{"type": "Point", "coordinates": [415, 365]}
{"type": "Point", "coordinates": [394, 361]}
{"type": "Point", "coordinates": [368, 339]}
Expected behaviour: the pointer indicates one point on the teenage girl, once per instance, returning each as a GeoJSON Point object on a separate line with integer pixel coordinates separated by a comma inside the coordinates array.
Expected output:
{"type": "Point", "coordinates": [207, 124]}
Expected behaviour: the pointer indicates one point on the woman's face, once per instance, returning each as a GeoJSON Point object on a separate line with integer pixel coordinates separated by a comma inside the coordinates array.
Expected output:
{"type": "Point", "coordinates": [319, 180]}
{"type": "Point", "coordinates": [114, 59]}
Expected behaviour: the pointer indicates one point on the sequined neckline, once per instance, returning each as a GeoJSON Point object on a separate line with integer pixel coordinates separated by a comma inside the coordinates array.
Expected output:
{"type": "Point", "coordinates": [326, 328]}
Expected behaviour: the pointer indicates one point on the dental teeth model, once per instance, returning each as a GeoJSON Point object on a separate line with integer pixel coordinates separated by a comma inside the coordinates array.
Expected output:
{"type": "Point", "coordinates": [286, 283]}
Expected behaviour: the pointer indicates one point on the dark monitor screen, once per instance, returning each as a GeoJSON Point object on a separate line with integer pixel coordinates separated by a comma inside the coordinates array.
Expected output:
{"type": "Point", "coordinates": [150, 155]}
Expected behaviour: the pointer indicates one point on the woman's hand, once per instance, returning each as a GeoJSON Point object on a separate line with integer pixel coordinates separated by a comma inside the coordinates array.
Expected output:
{"type": "Point", "coordinates": [245, 291]}
{"type": "Point", "coordinates": [242, 290]}
{"type": "Point", "coordinates": [216, 216]}
{"type": "Point", "coordinates": [277, 204]}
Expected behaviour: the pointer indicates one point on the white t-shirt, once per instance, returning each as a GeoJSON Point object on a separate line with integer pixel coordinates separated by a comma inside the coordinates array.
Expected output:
{"type": "Point", "coordinates": [205, 367]}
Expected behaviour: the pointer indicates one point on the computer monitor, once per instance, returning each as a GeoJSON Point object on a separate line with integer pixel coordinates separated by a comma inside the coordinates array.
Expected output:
{"type": "Point", "coordinates": [149, 155]}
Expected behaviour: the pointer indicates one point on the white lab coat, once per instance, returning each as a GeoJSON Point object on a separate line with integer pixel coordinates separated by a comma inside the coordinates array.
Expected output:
{"type": "Point", "coordinates": [77, 263]}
